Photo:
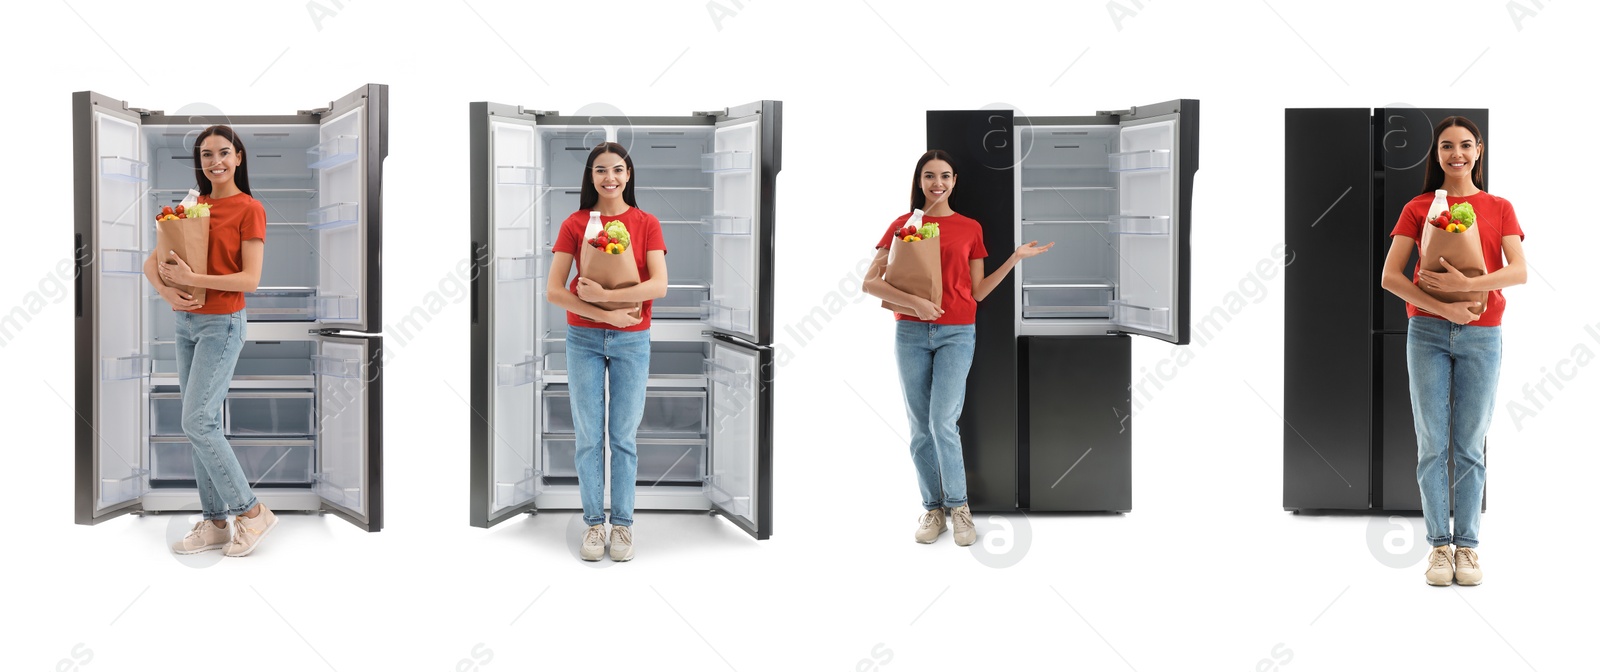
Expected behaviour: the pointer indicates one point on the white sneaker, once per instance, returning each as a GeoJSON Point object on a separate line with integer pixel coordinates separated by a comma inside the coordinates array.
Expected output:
{"type": "Point", "coordinates": [1440, 570]}
{"type": "Point", "coordinates": [930, 526]}
{"type": "Point", "coordinates": [961, 522]}
{"type": "Point", "coordinates": [594, 543]}
{"type": "Point", "coordinates": [1468, 573]}
{"type": "Point", "coordinates": [205, 536]}
{"type": "Point", "coordinates": [248, 532]}
{"type": "Point", "coordinates": [621, 543]}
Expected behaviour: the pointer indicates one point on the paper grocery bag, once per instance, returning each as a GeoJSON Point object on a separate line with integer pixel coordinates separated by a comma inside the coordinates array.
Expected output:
{"type": "Point", "coordinates": [1464, 251]}
{"type": "Point", "coordinates": [611, 271]}
{"type": "Point", "coordinates": [189, 237]}
{"type": "Point", "coordinates": [914, 269]}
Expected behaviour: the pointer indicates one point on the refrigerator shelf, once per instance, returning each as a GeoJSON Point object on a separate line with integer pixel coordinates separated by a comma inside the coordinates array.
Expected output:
{"type": "Point", "coordinates": [1143, 160]}
{"type": "Point", "coordinates": [726, 162]}
{"type": "Point", "coordinates": [275, 413]}
{"type": "Point", "coordinates": [1143, 317]}
{"type": "Point", "coordinates": [511, 269]}
{"type": "Point", "coordinates": [519, 175]}
{"type": "Point", "coordinates": [1029, 222]}
{"type": "Point", "coordinates": [123, 261]}
{"type": "Point", "coordinates": [112, 222]}
{"type": "Point", "coordinates": [337, 151]}
{"type": "Point", "coordinates": [1069, 188]}
{"type": "Point", "coordinates": [130, 367]}
{"type": "Point", "coordinates": [668, 413]}
{"type": "Point", "coordinates": [124, 169]}
{"type": "Point", "coordinates": [337, 307]}
{"type": "Point", "coordinates": [333, 216]}
{"type": "Point", "coordinates": [1140, 225]}
{"type": "Point", "coordinates": [723, 317]}
{"type": "Point", "coordinates": [728, 225]}
{"type": "Point", "coordinates": [513, 375]}
{"type": "Point", "coordinates": [661, 461]}
{"type": "Point", "coordinates": [264, 461]}
{"type": "Point", "coordinates": [1070, 299]}
{"type": "Point", "coordinates": [682, 302]}
{"type": "Point", "coordinates": [281, 304]}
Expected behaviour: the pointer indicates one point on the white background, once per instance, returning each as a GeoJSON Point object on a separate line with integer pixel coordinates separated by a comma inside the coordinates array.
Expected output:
{"type": "Point", "coordinates": [1207, 571]}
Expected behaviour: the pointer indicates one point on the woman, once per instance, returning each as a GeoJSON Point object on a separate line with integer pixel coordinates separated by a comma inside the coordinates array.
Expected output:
{"type": "Point", "coordinates": [601, 341]}
{"type": "Point", "coordinates": [209, 337]}
{"type": "Point", "coordinates": [934, 347]}
{"type": "Point", "coordinates": [1452, 353]}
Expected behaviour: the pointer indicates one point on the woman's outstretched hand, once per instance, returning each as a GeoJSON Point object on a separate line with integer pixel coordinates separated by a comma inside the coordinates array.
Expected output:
{"type": "Point", "coordinates": [1033, 249]}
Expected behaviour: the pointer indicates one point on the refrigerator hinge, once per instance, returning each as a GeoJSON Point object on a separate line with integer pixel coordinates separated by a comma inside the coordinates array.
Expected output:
{"type": "Point", "coordinates": [537, 113]}
{"type": "Point", "coordinates": [1119, 113]}
{"type": "Point", "coordinates": [710, 113]}
{"type": "Point", "coordinates": [144, 112]}
{"type": "Point", "coordinates": [315, 112]}
{"type": "Point", "coordinates": [324, 332]}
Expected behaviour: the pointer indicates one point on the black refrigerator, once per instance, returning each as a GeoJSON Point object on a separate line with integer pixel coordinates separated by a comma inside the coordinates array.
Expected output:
{"type": "Point", "coordinates": [1349, 442]}
{"type": "Point", "coordinates": [705, 442]}
{"type": "Point", "coordinates": [304, 409]}
{"type": "Point", "coordinates": [1046, 425]}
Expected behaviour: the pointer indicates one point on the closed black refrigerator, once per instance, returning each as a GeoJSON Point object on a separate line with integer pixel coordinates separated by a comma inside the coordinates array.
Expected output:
{"type": "Point", "coordinates": [1349, 443]}
{"type": "Point", "coordinates": [1046, 425]}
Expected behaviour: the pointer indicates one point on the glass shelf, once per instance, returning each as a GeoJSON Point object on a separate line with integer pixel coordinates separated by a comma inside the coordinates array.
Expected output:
{"type": "Point", "coordinates": [122, 261]}
{"type": "Point", "coordinates": [130, 367]}
{"type": "Point", "coordinates": [1069, 188]}
{"type": "Point", "coordinates": [1139, 225]}
{"type": "Point", "coordinates": [725, 317]}
{"type": "Point", "coordinates": [1142, 317]}
{"type": "Point", "coordinates": [726, 162]}
{"type": "Point", "coordinates": [1144, 160]}
{"type": "Point", "coordinates": [513, 375]}
{"type": "Point", "coordinates": [336, 152]}
{"type": "Point", "coordinates": [728, 225]}
{"type": "Point", "coordinates": [1030, 222]}
{"type": "Point", "coordinates": [333, 216]}
{"type": "Point", "coordinates": [519, 175]}
{"type": "Point", "coordinates": [123, 169]}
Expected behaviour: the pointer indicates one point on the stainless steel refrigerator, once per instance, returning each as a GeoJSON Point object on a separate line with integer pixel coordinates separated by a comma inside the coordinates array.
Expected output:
{"type": "Point", "coordinates": [304, 410]}
{"type": "Point", "coordinates": [1046, 425]}
{"type": "Point", "coordinates": [1349, 440]}
{"type": "Point", "coordinates": [705, 442]}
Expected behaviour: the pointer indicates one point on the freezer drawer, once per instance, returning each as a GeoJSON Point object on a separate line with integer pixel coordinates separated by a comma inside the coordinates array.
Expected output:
{"type": "Point", "coordinates": [661, 461]}
{"type": "Point", "coordinates": [265, 462]}
{"type": "Point", "coordinates": [281, 305]}
{"type": "Point", "coordinates": [166, 414]}
{"type": "Point", "coordinates": [269, 413]}
{"type": "Point", "coordinates": [668, 413]}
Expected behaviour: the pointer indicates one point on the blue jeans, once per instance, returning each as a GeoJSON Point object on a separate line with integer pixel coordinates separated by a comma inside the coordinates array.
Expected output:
{"type": "Point", "coordinates": [1454, 370]}
{"type": "Point", "coordinates": [208, 347]}
{"type": "Point", "coordinates": [590, 352]}
{"type": "Point", "coordinates": [933, 360]}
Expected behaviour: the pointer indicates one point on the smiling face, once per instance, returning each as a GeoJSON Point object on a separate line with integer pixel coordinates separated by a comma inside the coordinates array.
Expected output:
{"type": "Point", "coordinates": [937, 180]}
{"type": "Point", "coordinates": [1458, 152]}
{"type": "Point", "coordinates": [610, 175]}
{"type": "Point", "coordinates": [219, 159]}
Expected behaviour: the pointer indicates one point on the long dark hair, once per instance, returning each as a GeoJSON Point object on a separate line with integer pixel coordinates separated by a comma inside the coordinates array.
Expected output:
{"type": "Point", "coordinates": [1433, 179]}
{"type": "Point", "coordinates": [917, 199]}
{"type": "Point", "coordinates": [590, 196]}
{"type": "Point", "coordinates": [241, 178]}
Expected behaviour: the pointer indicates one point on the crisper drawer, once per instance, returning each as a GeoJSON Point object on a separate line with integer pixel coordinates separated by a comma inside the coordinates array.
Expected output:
{"type": "Point", "coordinates": [668, 413]}
{"type": "Point", "coordinates": [661, 461]}
{"type": "Point", "coordinates": [268, 413]}
{"type": "Point", "coordinates": [265, 461]}
{"type": "Point", "coordinates": [1066, 299]}
{"type": "Point", "coordinates": [166, 414]}
{"type": "Point", "coordinates": [269, 304]}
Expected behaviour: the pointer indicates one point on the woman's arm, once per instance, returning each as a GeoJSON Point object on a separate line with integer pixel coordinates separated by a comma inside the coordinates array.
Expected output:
{"type": "Point", "coordinates": [982, 285]}
{"type": "Point", "coordinates": [1394, 280]}
{"type": "Point", "coordinates": [654, 288]}
{"type": "Point", "coordinates": [557, 294]}
{"type": "Point", "coordinates": [179, 300]}
{"type": "Point", "coordinates": [246, 280]}
{"type": "Point", "coordinates": [875, 285]}
{"type": "Point", "coordinates": [1515, 272]}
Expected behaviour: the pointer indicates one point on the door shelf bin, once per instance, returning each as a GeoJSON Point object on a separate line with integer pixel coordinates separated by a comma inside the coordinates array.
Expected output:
{"type": "Point", "coordinates": [738, 505]}
{"type": "Point", "coordinates": [335, 367]}
{"type": "Point", "coordinates": [513, 375]}
{"type": "Point", "coordinates": [725, 162]}
{"type": "Point", "coordinates": [125, 368]}
{"type": "Point", "coordinates": [667, 412]}
{"type": "Point", "coordinates": [1143, 317]}
{"type": "Point", "coordinates": [122, 261]}
{"type": "Point", "coordinates": [511, 269]}
{"type": "Point", "coordinates": [723, 375]}
{"type": "Point", "coordinates": [1149, 159]}
{"type": "Point", "coordinates": [126, 488]}
{"type": "Point", "coordinates": [166, 414]}
{"type": "Point", "coordinates": [333, 216]}
{"type": "Point", "coordinates": [519, 175]}
{"type": "Point", "coordinates": [682, 302]}
{"type": "Point", "coordinates": [282, 413]}
{"type": "Point", "coordinates": [1065, 300]}
{"type": "Point", "coordinates": [508, 493]}
{"type": "Point", "coordinates": [281, 305]}
{"type": "Point", "coordinates": [725, 317]}
{"type": "Point", "coordinates": [264, 461]}
{"type": "Point", "coordinates": [1134, 225]}
{"type": "Point", "coordinates": [325, 488]}
{"type": "Point", "coordinates": [123, 169]}
{"type": "Point", "coordinates": [337, 307]}
{"type": "Point", "coordinates": [728, 225]}
{"type": "Point", "coordinates": [661, 461]}
{"type": "Point", "coordinates": [336, 152]}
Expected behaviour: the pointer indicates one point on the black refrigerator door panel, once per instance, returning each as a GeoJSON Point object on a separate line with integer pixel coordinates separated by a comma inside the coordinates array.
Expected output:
{"type": "Point", "coordinates": [1402, 136]}
{"type": "Point", "coordinates": [1398, 438]}
{"type": "Point", "coordinates": [1327, 350]}
{"type": "Point", "coordinates": [981, 142]}
{"type": "Point", "coordinates": [1077, 441]}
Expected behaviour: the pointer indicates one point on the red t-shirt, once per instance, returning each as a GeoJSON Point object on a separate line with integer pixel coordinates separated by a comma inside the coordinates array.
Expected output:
{"type": "Point", "coordinates": [234, 220]}
{"type": "Point", "coordinates": [960, 241]}
{"type": "Point", "coordinates": [1494, 220]}
{"type": "Point", "coordinates": [644, 235]}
